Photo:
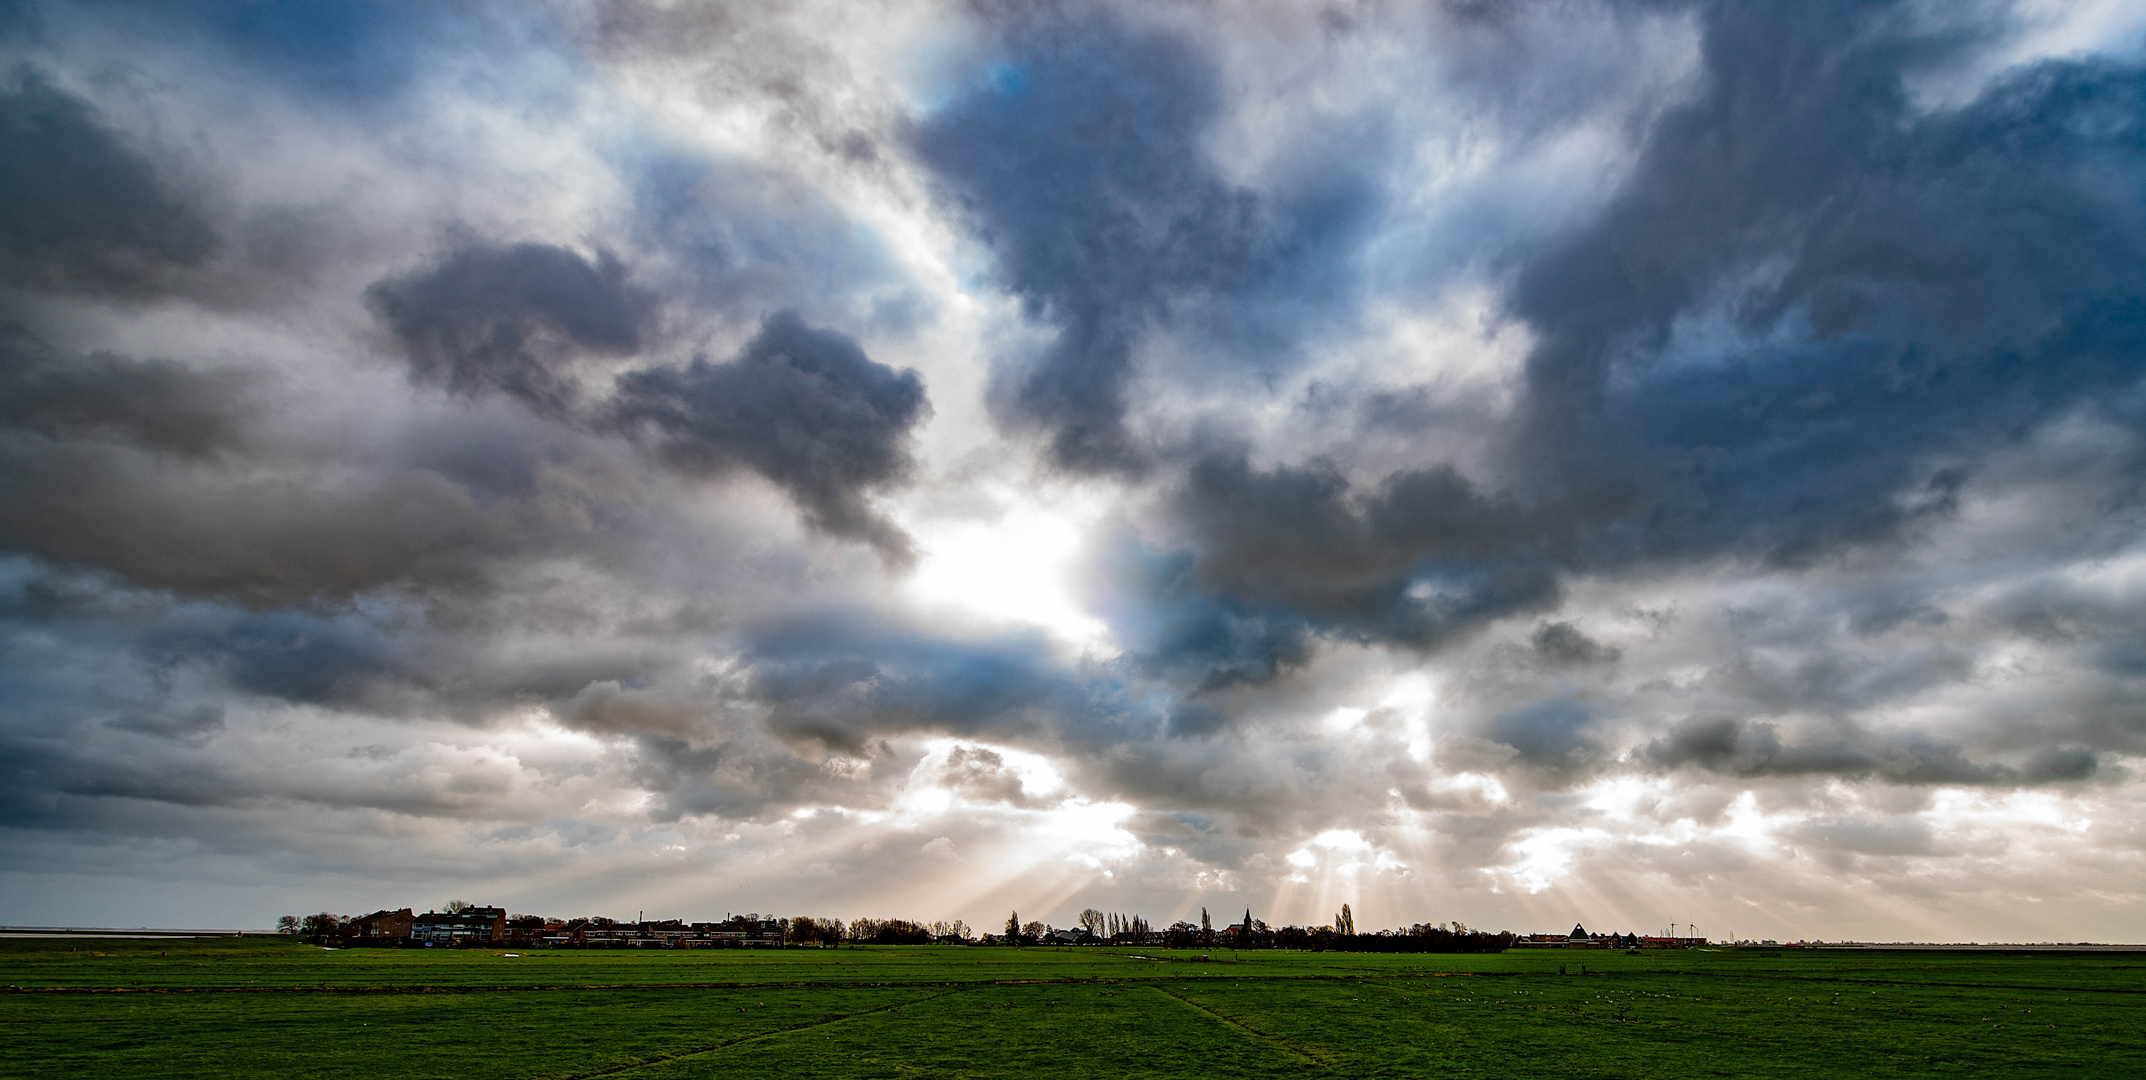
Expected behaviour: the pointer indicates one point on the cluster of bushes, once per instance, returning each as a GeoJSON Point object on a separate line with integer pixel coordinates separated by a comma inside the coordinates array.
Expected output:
{"type": "Point", "coordinates": [1420, 938]}
{"type": "Point", "coordinates": [889, 932]}
{"type": "Point", "coordinates": [805, 930]}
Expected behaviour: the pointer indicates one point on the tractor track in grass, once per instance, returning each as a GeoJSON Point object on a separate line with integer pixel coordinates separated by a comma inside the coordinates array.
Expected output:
{"type": "Point", "coordinates": [1311, 1055]}
{"type": "Point", "coordinates": [679, 1055]}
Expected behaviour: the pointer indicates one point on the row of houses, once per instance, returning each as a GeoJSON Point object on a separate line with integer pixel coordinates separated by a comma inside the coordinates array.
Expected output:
{"type": "Point", "coordinates": [1579, 938]}
{"type": "Point", "coordinates": [493, 926]}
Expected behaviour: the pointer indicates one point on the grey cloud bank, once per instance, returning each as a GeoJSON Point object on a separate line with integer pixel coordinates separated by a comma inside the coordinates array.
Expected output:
{"type": "Point", "coordinates": [1173, 456]}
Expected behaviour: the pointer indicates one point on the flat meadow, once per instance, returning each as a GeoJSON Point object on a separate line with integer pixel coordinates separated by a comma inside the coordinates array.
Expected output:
{"type": "Point", "coordinates": [263, 1007]}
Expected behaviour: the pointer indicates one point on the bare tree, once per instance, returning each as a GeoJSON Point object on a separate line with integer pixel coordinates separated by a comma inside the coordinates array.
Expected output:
{"type": "Point", "coordinates": [1093, 921]}
{"type": "Point", "coordinates": [455, 906]}
{"type": "Point", "coordinates": [287, 924]}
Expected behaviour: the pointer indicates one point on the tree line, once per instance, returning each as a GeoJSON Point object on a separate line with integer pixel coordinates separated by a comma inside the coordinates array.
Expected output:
{"type": "Point", "coordinates": [1100, 927]}
{"type": "Point", "coordinates": [1250, 933]}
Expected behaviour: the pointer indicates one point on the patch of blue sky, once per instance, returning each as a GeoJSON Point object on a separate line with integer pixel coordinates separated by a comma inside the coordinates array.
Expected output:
{"type": "Point", "coordinates": [1008, 79]}
{"type": "Point", "coordinates": [363, 52]}
{"type": "Point", "coordinates": [729, 221]}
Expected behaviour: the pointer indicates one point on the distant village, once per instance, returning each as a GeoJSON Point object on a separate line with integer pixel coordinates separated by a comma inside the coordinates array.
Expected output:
{"type": "Point", "coordinates": [463, 925]}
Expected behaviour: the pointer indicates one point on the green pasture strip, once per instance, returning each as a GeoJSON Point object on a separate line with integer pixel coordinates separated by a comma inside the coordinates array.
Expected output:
{"type": "Point", "coordinates": [479, 1036]}
{"type": "Point", "coordinates": [265, 1008]}
{"type": "Point", "coordinates": [269, 964]}
{"type": "Point", "coordinates": [1311, 1055]}
{"type": "Point", "coordinates": [1034, 1033]}
{"type": "Point", "coordinates": [670, 1057]}
{"type": "Point", "coordinates": [1668, 1026]}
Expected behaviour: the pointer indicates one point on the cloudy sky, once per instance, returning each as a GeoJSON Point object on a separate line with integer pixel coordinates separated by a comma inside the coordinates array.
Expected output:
{"type": "Point", "coordinates": [1634, 462]}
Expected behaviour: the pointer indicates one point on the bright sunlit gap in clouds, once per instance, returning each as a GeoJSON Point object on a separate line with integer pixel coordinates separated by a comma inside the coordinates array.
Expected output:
{"type": "Point", "coordinates": [1015, 567]}
{"type": "Point", "coordinates": [1026, 839]}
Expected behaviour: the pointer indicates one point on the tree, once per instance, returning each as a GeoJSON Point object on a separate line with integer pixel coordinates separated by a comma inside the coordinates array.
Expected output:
{"type": "Point", "coordinates": [889, 932]}
{"type": "Point", "coordinates": [1093, 922]}
{"type": "Point", "coordinates": [1345, 923]}
{"type": "Point", "coordinates": [1033, 931]}
{"type": "Point", "coordinates": [1207, 928]}
{"type": "Point", "coordinates": [287, 924]}
{"type": "Point", "coordinates": [1013, 928]}
{"type": "Point", "coordinates": [458, 906]}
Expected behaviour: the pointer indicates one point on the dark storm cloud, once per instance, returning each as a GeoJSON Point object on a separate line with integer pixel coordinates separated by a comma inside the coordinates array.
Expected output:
{"type": "Point", "coordinates": [148, 663]}
{"type": "Point", "coordinates": [205, 531]}
{"type": "Point", "coordinates": [1181, 632]}
{"type": "Point", "coordinates": [1752, 749]}
{"type": "Point", "coordinates": [513, 318]}
{"type": "Point", "coordinates": [734, 779]}
{"type": "Point", "coordinates": [1945, 279]}
{"type": "Point", "coordinates": [293, 656]}
{"type": "Point", "coordinates": [80, 208]}
{"type": "Point", "coordinates": [1078, 156]}
{"type": "Point", "coordinates": [156, 404]}
{"type": "Point", "coordinates": [1425, 556]}
{"type": "Point", "coordinates": [177, 477]}
{"type": "Point", "coordinates": [183, 724]}
{"type": "Point", "coordinates": [1549, 733]}
{"type": "Point", "coordinates": [1900, 293]}
{"type": "Point", "coordinates": [844, 679]}
{"type": "Point", "coordinates": [1563, 645]}
{"type": "Point", "coordinates": [805, 408]}
{"type": "Point", "coordinates": [148, 468]}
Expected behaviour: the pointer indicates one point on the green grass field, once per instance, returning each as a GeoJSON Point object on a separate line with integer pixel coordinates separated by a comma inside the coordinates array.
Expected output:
{"type": "Point", "coordinates": [269, 1008]}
